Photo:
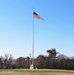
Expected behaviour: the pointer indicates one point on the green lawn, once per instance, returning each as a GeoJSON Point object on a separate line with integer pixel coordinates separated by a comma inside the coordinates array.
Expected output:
{"type": "Point", "coordinates": [12, 72]}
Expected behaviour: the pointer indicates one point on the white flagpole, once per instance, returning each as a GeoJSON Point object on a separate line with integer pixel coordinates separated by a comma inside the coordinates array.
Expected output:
{"type": "Point", "coordinates": [32, 65]}
{"type": "Point", "coordinates": [33, 42]}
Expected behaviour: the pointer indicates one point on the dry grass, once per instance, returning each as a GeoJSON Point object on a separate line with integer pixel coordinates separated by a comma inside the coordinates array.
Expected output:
{"type": "Point", "coordinates": [36, 72]}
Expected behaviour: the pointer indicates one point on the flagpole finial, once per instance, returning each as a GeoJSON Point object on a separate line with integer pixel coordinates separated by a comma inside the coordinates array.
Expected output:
{"type": "Point", "coordinates": [33, 9]}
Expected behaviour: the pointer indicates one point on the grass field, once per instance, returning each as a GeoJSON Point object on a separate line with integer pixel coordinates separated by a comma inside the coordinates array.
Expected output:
{"type": "Point", "coordinates": [35, 72]}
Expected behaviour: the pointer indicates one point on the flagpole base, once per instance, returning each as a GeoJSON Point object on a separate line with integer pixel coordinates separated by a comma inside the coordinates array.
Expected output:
{"type": "Point", "coordinates": [31, 66]}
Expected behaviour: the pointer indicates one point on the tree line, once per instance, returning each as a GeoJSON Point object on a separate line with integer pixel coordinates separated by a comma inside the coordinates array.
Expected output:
{"type": "Point", "coordinates": [54, 60]}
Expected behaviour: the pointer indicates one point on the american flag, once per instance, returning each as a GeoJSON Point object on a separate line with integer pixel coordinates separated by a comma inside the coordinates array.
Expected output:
{"type": "Point", "coordinates": [35, 15]}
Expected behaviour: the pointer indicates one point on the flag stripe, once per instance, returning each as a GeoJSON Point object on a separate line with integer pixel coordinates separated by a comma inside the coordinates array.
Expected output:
{"type": "Point", "coordinates": [35, 15]}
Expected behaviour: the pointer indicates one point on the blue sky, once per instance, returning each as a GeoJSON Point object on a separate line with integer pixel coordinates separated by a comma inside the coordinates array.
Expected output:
{"type": "Point", "coordinates": [57, 31]}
